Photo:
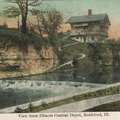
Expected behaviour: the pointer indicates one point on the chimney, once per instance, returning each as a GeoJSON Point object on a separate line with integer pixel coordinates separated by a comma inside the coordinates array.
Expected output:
{"type": "Point", "coordinates": [89, 11]}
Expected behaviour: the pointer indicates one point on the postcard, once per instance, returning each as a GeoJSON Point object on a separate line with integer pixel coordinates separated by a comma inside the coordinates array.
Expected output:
{"type": "Point", "coordinates": [59, 59]}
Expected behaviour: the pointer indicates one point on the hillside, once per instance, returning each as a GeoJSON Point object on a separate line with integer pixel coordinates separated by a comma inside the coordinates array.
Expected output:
{"type": "Point", "coordinates": [104, 54]}
{"type": "Point", "coordinates": [22, 55]}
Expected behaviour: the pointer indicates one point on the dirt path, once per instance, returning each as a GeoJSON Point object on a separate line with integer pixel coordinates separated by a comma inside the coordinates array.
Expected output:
{"type": "Point", "coordinates": [68, 63]}
{"type": "Point", "coordinates": [84, 104]}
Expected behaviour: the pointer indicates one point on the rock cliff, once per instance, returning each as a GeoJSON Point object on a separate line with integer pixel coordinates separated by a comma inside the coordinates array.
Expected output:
{"type": "Point", "coordinates": [14, 63]}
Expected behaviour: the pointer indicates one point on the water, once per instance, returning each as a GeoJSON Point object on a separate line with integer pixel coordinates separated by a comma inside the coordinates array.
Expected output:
{"type": "Point", "coordinates": [55, 84]}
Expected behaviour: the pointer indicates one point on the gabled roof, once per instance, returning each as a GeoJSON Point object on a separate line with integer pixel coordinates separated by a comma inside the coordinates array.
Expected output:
{"type": "Point", "coordinates": [87, 18]}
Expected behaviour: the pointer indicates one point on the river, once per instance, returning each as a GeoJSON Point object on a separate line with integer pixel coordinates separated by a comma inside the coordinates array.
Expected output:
{"type": "Point", "coordinates": [60, 83]}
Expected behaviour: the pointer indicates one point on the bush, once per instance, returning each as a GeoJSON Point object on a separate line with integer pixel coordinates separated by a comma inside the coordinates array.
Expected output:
{"type": "Point", "coordinates": [5, 25]}
{"type": "Point", "coordinates": [76, 98]}
{"type": "Point", "coordinates": [18, 110]}
{"type": "Point", "coordinates": [43, 103]}
{"type": "Point", "coordinates": [16, 38]}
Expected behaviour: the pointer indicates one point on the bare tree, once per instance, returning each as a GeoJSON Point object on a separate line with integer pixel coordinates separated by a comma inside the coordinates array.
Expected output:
{"type": "Point", "coordinates": [12, 12]}
{"type": "Point", "coordinates": [49, 22]}
{"type": "Point", "coordinates": [21, 10]}
{"type": "Point", "coordinates": [23, 6]}
{"type": "Point", "coordinates": [38, 26]}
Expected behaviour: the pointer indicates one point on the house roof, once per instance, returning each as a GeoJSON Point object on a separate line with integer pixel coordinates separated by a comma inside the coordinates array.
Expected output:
{"type": "Point", "coordinates": [87, 18]}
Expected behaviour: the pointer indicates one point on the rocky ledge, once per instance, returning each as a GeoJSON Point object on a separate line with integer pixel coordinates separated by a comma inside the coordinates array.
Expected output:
{"type": "Point", "coordinates": [14, 63]}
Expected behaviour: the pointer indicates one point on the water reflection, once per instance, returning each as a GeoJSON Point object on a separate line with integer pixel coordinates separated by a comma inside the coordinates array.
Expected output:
{"type": "Point", "coordinates": [101, 75]}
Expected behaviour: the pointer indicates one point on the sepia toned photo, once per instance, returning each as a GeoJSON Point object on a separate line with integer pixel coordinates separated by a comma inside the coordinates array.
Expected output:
{"type": "Point", "coordinates": [60, 57]}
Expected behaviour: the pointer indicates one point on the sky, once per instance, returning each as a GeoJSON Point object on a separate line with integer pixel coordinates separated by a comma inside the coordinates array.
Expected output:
{"type": "Point", "coordinates": [70, 8]}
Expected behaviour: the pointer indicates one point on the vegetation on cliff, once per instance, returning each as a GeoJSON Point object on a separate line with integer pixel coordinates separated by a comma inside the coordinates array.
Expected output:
{"type": "Point", "coordinates": [24, 55]}
{"type": "Point", "coordinates": [44, 22]}
{"type": "Point", "coordinates": [12, 37]}
{"type": "Point", "coordinates": [48, 23]}
{"type": "Point", "coordinates": [96, 53]}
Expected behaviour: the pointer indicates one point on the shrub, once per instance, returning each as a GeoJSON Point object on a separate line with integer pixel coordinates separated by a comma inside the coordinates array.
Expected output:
{"type": "Point", "coordinates": [43, 103]}
{"type": "Point", "coordinates": [5, 25]}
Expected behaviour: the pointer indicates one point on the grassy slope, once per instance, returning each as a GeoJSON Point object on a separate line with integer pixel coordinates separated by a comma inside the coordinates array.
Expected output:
{"type": "Point", "coordinates": [15, 37]}
{"type": "Point", "coordinates": [99, 93]}
{"type": "Point", "coordinates": [96, 53]}
{"type": "Point", "coordinates": [113, 106]}
{"type": "Point", "coordinates": [74, 51]}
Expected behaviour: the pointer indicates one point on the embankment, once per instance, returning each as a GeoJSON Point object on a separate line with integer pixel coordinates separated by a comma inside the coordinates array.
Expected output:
{"type": "Point", "coordinates": [14, 63]}
{"type": "Point", "coordinates": [24, 55]}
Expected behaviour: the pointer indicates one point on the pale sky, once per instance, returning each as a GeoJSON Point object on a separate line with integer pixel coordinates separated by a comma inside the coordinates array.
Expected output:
{"type": "Point", "coordinates": [80, 7]}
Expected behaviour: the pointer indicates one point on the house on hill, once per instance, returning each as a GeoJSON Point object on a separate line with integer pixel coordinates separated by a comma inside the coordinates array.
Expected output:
{"type": "Point", "coordinates": [89, 28]}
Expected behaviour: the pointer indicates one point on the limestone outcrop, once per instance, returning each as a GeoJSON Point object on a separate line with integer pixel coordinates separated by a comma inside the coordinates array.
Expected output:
{"type": "Point", "coordinates": [14, 62]}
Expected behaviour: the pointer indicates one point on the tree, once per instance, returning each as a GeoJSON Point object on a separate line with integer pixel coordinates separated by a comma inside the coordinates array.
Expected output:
{"type": "Point", "coordinates": [22, 10]}
{"type": "Point", "coordinates": [36, 27]}
{"type": "Point", "coordinates": [49, 22]}
{"type": "Point", "coordinates": [23, 6]}
{"type": "Point", "coordinates": [5, 25]}
{"type": "Point", "coordinates": [12, 12]}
